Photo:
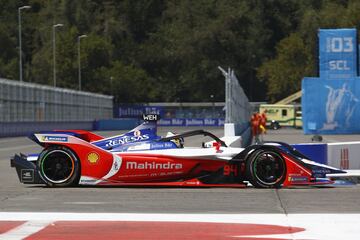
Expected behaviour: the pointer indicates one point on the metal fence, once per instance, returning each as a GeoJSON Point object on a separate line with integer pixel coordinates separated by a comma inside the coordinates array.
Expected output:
{"type": "Point", "coordinates": [237, 106]}
{"type": "Point", "coordinates": [28, 102]}
{"type": "Point", "coordinates": [237, 109]}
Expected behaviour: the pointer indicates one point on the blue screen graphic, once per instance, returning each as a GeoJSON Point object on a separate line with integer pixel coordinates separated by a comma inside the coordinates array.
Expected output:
{"type": "Point", "coordinates": [331, 103]}
{"type": "Point", "coordinates": [331, 107]}
{"type": "Point", "coordinates": [338, 53]}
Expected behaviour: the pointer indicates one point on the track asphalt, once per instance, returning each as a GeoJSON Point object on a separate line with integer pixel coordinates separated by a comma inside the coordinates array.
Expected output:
{"type": "Point", "coordinates": [294, 207]}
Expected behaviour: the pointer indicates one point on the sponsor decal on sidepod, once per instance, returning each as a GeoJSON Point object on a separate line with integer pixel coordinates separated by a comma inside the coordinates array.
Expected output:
{"type": "Point", "coordinates": [153, 165]}
{"type": "Point", "coordinates": [54, 139]}
{"type": "Point", "coordinates": [298, 179]}
{"type": "Point", "coordinates": [93, 157]}
{"type": "Point", "coordinates": [126, 139]}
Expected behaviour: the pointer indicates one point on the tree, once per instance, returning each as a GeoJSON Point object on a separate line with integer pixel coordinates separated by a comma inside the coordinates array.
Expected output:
{"type": "Point", "coordinates": [172, 48]}
{"type": "Point", "coordinates": [284, 73]}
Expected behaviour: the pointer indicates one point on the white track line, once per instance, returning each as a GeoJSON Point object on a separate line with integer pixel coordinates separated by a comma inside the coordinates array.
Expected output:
{"type": "Point", "coordinates": [216, 218]}
{"type": "Point", "coordinates": [317, 226]}
{"type": "Point", "coordinates": [25, 230]}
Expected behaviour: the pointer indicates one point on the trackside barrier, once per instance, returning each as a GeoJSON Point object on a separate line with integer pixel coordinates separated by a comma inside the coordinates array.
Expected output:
{"type": "Point", "coordinates": [187, 122]}
{"type": "Point", "coordinates": [12, 129]}
{"type": "Point", "coordinates": [116, 124]}
{"type": "Point", "coordinates": [29, 102]}
{"type": "Point", "coordinates": [315, 151]}
{"type": "Point", "coordinates": [238, 108]}
{"type": "Point", "coordinates": [344, 155]}
{"type": "Point", "coordinates": [231, 130]}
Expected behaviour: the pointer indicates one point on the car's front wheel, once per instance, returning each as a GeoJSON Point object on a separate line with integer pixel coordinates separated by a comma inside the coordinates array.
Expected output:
{"type": "Point", "coordinates": [266, 169]}
{"type": "Point", "coordinates": [59, 167]}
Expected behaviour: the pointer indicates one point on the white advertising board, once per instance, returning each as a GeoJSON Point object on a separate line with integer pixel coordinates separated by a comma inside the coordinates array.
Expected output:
{"type": "Point", "coordinates": [344, 155]}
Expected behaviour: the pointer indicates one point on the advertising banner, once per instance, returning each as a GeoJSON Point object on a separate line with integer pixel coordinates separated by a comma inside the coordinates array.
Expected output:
{"type": "Point", "coordinates": [344, 155]}
{"type": "Point", "coordinates": [338, 53]}
{"type": "Point", "coordinates": [331, 107]}
{"type": "Point", "coordinates": [136, 111]}
{"type": "Point", "coordinates": [186, 122]}
{"type": "Point", "coordinates": [330, 103]}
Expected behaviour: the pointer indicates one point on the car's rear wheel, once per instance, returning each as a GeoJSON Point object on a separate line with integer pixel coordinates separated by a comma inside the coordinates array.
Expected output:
{"type": "Point", "coordinates": [274, 125]}
{"type": "Point", "coordinates": [59, 167]}
{"type": "Point", "coordinates": [266, 169]}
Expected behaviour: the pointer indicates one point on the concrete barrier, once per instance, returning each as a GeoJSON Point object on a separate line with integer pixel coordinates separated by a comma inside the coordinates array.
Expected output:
{"type": "Point", "coordinates": [242, 131]}
{"type": "Point", "coordinates": [344, 155]}
{"type": "Point", "coordinates": [13, 129]}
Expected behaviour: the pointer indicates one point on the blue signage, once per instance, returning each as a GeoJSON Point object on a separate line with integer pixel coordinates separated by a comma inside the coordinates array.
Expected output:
{"type": "Point", "coordinates": [331, 107]}
{"type": "Point", "coordinates": [137, 111]}
{"type": "Point", "coordinates": [338, 53]}
{"type": "Point", "coordinates": [214, 122]}
{"type": "Point", "coordinates": [331, 103]}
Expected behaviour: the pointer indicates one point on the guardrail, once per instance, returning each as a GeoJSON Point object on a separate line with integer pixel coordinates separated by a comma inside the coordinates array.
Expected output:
{"type": "Point", "coordinates": [13, 129]}
{"type": "Point", "coordinates": [29, 102]}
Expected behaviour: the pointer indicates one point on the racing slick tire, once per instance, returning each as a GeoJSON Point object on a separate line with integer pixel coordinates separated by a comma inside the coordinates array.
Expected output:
{"type": "Point", "coordinates": [59, 167]}
{"type": "Point", "coordinates": [266, 169]}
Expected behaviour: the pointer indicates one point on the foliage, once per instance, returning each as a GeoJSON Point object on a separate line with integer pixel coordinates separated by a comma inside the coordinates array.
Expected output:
{"type": "Point", "coordinates": [296, 54]}
{"type": "Point", "coordinates": [169, 50]}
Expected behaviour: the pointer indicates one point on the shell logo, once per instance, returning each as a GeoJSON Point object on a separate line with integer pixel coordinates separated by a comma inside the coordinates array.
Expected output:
{"type": "Point", "coordinates": [93, 158]}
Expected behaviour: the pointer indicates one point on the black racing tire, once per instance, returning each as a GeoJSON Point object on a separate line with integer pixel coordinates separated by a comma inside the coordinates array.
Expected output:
{"type": "Point", "coordinates": [59, 167]}
{"type": "Point", "coordinates": [266, 169]}
{"type": "Point", "coordinates": [275, 125]}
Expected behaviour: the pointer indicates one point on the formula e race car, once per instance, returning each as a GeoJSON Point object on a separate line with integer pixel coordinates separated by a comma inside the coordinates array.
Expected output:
{"type": "Point", "coordinates": [142, 158]}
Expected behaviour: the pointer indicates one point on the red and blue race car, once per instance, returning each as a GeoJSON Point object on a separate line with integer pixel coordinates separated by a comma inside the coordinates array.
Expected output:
{"type": "Point", "coordinates": [142, 158]}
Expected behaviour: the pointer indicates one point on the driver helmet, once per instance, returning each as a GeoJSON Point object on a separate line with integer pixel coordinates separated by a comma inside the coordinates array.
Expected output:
{"type": "Point", "coordinates": [179, 142]}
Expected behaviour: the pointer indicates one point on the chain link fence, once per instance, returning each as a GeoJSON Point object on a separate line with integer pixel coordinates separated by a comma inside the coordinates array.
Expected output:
{"type": "Point", "coordinates": [238, 108]}
{"type": "Point", "coordinates": [28, 102]}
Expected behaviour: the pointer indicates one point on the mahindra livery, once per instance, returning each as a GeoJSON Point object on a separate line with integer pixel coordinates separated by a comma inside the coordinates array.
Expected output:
{"type": "Point", "coordinates": [142, 158]}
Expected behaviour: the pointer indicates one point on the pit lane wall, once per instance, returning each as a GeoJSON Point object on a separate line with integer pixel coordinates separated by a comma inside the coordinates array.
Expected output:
{"type": "Point", "coordinates": [342, 155]}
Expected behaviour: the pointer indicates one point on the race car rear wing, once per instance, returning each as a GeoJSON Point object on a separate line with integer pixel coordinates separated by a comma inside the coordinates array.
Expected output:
{"type": "Point", "coordinates": [26, 170]}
